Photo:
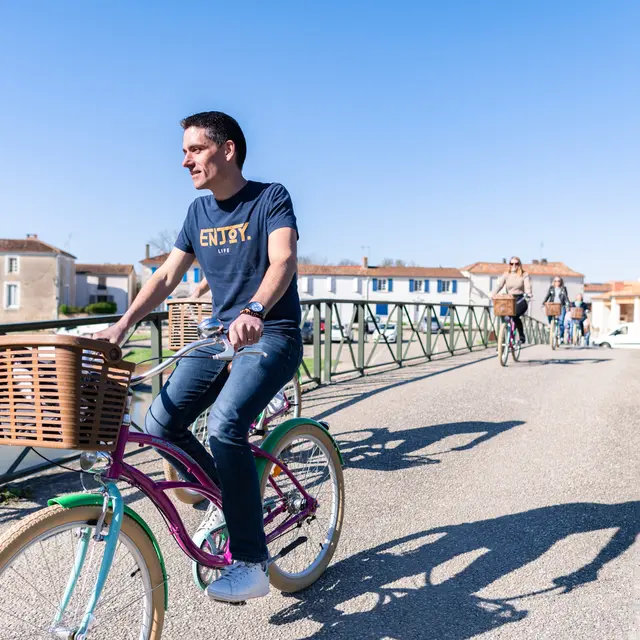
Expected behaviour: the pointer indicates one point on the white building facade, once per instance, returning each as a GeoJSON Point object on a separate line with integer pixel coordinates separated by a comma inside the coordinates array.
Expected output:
{"type": "Point", "coordinates": [185, 288]}
{"type": "Point", "coordinates": [105, 283]}
{"type": "Point", "coordinates": [381, 287]}
{"type": "Point", "coordinates": [483, 277]}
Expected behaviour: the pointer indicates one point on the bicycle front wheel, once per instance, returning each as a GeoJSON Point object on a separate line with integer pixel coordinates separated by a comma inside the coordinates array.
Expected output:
{"type": "Point", "coordinates": [552, 335]}
{"type": "Point", "coordinates": [503, 344]}
{"type": "Point", "coordinates": [42, 555]}
{"type": "Point", "coordinates": [303, 552]}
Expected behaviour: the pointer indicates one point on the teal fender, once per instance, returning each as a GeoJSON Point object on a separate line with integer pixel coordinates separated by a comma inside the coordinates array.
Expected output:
{"type": "Point", "coordinates": [71, 500]}
{"type": "Point", "coordinates": [280, 431]}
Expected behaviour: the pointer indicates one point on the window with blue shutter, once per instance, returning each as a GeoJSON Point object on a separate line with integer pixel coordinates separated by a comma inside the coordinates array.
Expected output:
{"type": "Point", "coordinates": [184, 278]}
{"type": "Point", "coordinates": [375, 284]}
{"type": "Point", "coordinates": [382, 309]}
{"type": "Point", "coordinates": [154, 269]}
{"type": "Point", "coordinates": [444, 309]}
{"type": "Point", "coordinates": [426, 286]}
{"type": "Point", "coordinates": [411, 286]}
{"type": "Point", "coordinates": [439, 286]}
{"type": "Point", "coordinates": [196, 274]}
{"type": "Point", "coordinates": [454, 286]}
{"type": "Point", "coordinates": [390, 284]}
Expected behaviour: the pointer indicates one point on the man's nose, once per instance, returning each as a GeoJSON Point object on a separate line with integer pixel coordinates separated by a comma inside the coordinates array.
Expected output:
{"type": "Point", "coordinates": [187, 161]}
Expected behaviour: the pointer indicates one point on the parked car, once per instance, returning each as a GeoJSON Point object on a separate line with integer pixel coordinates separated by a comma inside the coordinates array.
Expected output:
{"type": "Point", "coordinates": [307, 332]}
{"type": "Point", "coordinates": [624, 336]}
{"type": "Point", "coordinates": [435, 327]}
{"type": "Point", "coordinates": [389, 331]}
{"type": "Point", "coordinates": [337, 335]}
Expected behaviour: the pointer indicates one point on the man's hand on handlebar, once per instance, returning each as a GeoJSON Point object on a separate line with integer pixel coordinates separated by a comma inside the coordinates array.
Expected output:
{"type": "Point", "coordinates": [114, 334]}
{"type": "Point", "coordinates": [245, 330]}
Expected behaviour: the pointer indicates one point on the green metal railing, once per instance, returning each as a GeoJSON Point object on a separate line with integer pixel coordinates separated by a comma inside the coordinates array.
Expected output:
{"type": "Point", "coordinates": [424, 331]}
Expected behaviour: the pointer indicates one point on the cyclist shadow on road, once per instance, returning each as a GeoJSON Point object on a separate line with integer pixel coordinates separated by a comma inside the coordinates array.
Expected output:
{"type": "Point", "coordinates": [538, 363]}
{"type": "Point", "coordinates": [383, 449]}
{"type": "Point", "coordinates": [404, 589]}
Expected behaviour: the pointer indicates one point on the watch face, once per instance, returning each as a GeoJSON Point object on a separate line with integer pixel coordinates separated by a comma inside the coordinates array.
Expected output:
{"type": "Point", "coordinates": [255, 306]}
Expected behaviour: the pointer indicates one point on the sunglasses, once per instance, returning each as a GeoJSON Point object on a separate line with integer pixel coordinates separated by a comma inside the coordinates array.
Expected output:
{"type": "Point", "coordinates": [514, 264]}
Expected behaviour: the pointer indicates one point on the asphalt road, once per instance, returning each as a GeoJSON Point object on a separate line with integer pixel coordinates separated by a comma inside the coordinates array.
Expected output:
{"type": "Point", "coordinates": [482, 502]}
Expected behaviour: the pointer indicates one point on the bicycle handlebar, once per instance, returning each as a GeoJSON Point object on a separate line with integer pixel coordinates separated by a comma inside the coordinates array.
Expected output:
{"type": "Point", "coordinates": [228, 354]}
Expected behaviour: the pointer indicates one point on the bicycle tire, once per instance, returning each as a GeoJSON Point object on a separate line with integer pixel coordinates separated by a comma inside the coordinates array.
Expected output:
{"type": "Point", "coordinates": [34, 528]}
{"type": "Point", "coordinates": [552, 335]}
{"type": "Point", "coordinates": [280, 578]}
{"type": "Point", "coordinates": [503, 349]}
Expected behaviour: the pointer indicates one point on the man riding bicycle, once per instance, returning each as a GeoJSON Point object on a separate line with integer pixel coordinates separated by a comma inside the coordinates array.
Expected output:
{"type": "Point", "coordinates": [245, 238]}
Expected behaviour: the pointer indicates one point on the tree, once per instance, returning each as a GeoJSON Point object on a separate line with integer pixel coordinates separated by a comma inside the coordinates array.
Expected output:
{"type": "Point", "coordinates": [346, 262]}
{"type": "Point", "coordinates": [311, 258]}
{"type": "Point", "coordinates": [164, 241]}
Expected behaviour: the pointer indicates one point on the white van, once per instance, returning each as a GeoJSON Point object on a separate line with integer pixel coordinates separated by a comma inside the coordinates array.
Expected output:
{"type": "Point", "coordinates": [624, 336]}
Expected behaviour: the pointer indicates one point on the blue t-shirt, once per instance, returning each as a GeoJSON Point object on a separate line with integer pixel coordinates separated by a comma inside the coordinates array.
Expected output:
{"type": "Point", "coordinates": [229, 239]}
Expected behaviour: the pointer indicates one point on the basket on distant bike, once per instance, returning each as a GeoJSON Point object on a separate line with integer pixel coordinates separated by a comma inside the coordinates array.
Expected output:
{"type": "Point", "coordinates": [553, 309]}
{"type": "Point", "coordinates": [504, 305]}
{"type": "Point", "coordinates": [577, 313]}
{"type": "Point", "coordinates": [62, 392]}
{"type": "Point", "coordinates": [184, 317]}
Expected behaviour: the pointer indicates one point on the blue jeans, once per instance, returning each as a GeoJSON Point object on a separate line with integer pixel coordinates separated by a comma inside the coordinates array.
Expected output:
{"type": "Point", "coordinates": [237, 398]}
{"type": "Point", "coordinates": [559, 321]}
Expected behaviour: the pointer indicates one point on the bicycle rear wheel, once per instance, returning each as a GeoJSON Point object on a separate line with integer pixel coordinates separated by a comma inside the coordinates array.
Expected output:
{"type": "Point", "coordinates": [37, 559]}
{"type": "Point", "coordinates": [293, 395]}
{"type": "Point", "coordinates": [306, 550]}
{"type": "Point", "coordinates": [553, 338]}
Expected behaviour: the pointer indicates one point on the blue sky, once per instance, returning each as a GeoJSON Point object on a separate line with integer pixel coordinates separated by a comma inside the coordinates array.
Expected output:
{"type": "Point", "coordinates": [439, 132]}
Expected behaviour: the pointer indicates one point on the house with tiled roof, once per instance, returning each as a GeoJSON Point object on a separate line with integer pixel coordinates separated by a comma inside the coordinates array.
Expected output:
{"type": "Point", "coordinates": [115, 283]}
{"type": "Point", "coordinates": [382, 286]}
{"type": "Point", "coordinates": [35, 279]}
{"type": "Point", "coordinates": [619, 304]}
{"type": "Point", "coordinates": [484, 276]}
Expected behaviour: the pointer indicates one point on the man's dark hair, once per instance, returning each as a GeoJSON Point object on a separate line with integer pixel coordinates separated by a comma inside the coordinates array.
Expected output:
{"type": "Point", "coordinates": [219, 127]}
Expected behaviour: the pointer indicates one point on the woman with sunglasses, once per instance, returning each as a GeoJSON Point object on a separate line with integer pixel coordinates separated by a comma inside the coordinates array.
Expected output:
{"type": "Point", "coordinates": [516, 282]}
{"type": "Point", "coordinates": [558, 293]}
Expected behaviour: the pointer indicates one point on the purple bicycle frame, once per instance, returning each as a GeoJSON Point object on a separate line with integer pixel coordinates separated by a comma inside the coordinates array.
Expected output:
{"type": "Point", "coordinates": [155, 491]}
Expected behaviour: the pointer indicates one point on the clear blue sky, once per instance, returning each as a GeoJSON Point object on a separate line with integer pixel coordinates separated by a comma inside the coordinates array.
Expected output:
{"type": "Point", "coordinates": [439, 132]}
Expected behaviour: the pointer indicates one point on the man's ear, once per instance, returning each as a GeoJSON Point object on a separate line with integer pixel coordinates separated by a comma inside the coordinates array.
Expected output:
{"type": "Point", "coordinates": [229, 150]}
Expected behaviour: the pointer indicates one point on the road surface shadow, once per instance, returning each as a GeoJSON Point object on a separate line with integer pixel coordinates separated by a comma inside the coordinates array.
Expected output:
{"type": "Point", "coordinates": [397, 383]}
{"type": "Point", "coordinates": [539, 363]}
{"type": "Point", "coordinates": [383, 449]}
{"type": "Point", "coordinates": [389, 591]}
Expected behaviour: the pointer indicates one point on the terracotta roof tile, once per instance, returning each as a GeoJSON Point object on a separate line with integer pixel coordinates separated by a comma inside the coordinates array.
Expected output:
{"type": "Point", "coordinates": [597, 287]}
{"type": "Point", "coordinates": [621, 289]}
{"type": "Point", "coordinates": [547, 269]}
{"type": "Point", "coordinates": [30, 245]}
{"type": "Point", "coordinates": [105, 269]}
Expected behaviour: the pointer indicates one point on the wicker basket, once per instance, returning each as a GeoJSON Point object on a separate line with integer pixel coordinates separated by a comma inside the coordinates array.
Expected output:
{"type": "Point", "coordinates": [553, 309]}
{"type": "Point", "coordinates": [577, 313]}
{"type": "Point", "coordinates": [504, 305]}
{"type": "Point", "coordinates": [184, 317]}
{"type": "Point", "coordinates": [61, 392]}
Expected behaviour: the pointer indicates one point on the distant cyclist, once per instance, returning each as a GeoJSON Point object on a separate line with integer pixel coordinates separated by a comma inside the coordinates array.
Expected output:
{"type": "Point", "coordinates": [579, 303]}
{"type": "Point", "coordinates": [516, 282]}
{"type": "Point", "coordinates": [558, 293]}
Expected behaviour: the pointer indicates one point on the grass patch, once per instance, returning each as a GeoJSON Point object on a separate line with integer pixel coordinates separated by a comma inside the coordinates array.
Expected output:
{"type": "Point", "coordinates": [11, 494]}
{"type": "Point", "coordinates": [140, 354]}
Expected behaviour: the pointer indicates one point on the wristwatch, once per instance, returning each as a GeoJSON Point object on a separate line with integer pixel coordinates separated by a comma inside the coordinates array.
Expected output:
{"type": "Point", "coordinates": [254, 309]}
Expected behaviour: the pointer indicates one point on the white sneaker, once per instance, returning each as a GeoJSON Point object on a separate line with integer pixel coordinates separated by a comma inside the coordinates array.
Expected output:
{"type": "Point", "coordinates": [240, 581]}
{"type": "Point", "coordinates": [213, 519]}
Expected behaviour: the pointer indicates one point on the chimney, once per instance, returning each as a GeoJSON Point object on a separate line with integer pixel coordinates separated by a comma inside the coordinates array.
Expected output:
{"type": "Point", "coordinates": [34, 236]}
{"type": "Point", "coordinates": [147, 252]}
{"type": "Point", "coordinates": [534, 261]}
{"type": "Point", "coordinates": [504, 261]}
{"type": "Point", "coordinates": [617, 285]}
{"type": "Point", "coordinates": [365, 262]}
{"type": "Point", "coordinates": [543, 261]}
